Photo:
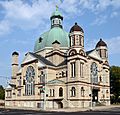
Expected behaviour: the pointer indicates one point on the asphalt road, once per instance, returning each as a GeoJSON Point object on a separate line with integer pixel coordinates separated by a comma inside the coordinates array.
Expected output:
{"type": "Point", "coordinates": [112, 111]}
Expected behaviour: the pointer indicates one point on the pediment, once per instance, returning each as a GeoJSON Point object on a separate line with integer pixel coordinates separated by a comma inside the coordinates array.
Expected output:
{"type": "Point", "coordinates": [94, 54]}
{"type": "Point", "coordinates": [56, 81]}
{"type": "Point", "coordinates": [8, 87]}
{"type": "Point", "coordinates": [28, 58]}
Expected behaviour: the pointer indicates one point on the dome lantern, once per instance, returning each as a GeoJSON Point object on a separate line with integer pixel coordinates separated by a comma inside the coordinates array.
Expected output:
{"type": "Point", "coordinates": [56, 19]}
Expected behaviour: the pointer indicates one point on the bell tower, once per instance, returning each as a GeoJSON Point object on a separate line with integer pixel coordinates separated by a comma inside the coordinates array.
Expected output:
{"type": "Point", "coordinates": [14, 64]}
{"type": "Point", "coordinates": [101, 47]}
{"type": "Point", "coordinates": [76, 54]}
{"type": "Point", "coordinates": [76, 36]}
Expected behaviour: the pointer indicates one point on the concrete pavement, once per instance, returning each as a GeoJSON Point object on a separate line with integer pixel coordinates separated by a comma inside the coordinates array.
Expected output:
{"type": "Point", "coordinates": [96, 108]}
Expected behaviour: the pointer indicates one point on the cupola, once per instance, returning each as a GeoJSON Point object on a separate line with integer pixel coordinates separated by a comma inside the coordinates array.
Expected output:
{"type": "Point", "coordinates": [76, 36]}
{"type": "Point", "coordinates": [76, 27]}
{"type": "Point", "coordinates": [101, 47]}
{"type": "Point", "coordinates": [56, 19]}
{"type": "Point", "coordinates": [101, 43]}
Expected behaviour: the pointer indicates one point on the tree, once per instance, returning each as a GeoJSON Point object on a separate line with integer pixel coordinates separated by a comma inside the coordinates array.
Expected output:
{"type": "Point", "coordinates": [2, 92]}
{"type": "Point", "coordinates": [115, 83]}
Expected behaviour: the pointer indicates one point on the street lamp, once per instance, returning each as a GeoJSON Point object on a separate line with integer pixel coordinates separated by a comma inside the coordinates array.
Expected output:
{"type": "Point", "coordinates": [91, 92]}
{"type": "Point", "coordinates": [45, 75]}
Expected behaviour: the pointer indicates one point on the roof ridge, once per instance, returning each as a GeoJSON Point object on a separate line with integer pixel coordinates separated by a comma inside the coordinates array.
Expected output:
{"type": "Point", "coordinates": [43, 59]}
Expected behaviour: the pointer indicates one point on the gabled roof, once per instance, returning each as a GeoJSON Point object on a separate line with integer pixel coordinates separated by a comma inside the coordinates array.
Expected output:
{"type": "Point", "coordinates": [8, 87]}
{"type": "Point", "coordinates": [63, 63]}
{"type": "Point", "coordinates": [47, 62]}
{"type": "Point", "coordinates": [94, 54]}
{"type": "Point", "coordinates": [41, 58]}
{"type": "Point", "coordinates": [89, 52]}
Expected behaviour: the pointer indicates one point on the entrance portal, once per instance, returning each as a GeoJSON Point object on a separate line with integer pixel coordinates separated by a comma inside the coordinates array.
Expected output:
{"type": "Point", "coordinates": [95, 95]}
{"type": "Point", "coordinates": [60, 105]}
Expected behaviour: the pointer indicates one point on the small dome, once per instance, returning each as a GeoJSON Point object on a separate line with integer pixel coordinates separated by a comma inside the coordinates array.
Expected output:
{"type": "Point", "coordinates": [101, 43]}
{"type": "Point", "coordinates": [76, 28]}
{"type": "Point", "coordinates": [15, 53]}
{"type": "Point", "coordinates": [56, 14]}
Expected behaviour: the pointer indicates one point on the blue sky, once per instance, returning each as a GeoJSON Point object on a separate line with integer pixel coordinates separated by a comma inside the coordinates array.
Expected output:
{"type": "Point", "coordinates": [23, 21]}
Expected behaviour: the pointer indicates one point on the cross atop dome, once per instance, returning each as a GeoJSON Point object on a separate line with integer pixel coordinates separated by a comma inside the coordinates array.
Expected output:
{"type": "Point", "coordinates": [57, 7]}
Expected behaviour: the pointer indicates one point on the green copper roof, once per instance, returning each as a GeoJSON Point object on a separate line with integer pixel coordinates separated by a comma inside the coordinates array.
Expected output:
{"type": "Point", "coordinates": [50, 36]}
{"type": "Point", "coordinates": [56, 13]}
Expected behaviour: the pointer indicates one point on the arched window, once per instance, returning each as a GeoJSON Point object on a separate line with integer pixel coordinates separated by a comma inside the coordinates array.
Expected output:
{"type": "Point", "coordinates": [73, 72]}
{"type": "Point", "coordinates": [82, 52]}
{"type": "Point", "coordinates": [73, 41]}
{"type": "Point", "coordinates": [42, 77]}
{"type": "Point", "coordinates": [82, 92]}
{"type": "Point", "coordinates": [73, 92]}
{"type": "Point", "coordinates": [94, 73]}
{"type": "Point", "coordinates": [100, 78]}
{"type": "Point", "coordinates": [72, 52]}
{"type": "Point", "coordinates": [29, 82]}
{"type": "Point", "coordinates": [81, 69]}
{"type": "Point", "coordinates": [53, 92]}
{"type": "Point", "coordinates": [60, 92]}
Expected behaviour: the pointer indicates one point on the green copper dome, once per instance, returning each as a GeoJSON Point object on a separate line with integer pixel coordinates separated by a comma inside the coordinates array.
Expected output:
{"type": "Point", "coordinates": [56, 33]}
{"type": "Point", "coordinates": [47, 38]}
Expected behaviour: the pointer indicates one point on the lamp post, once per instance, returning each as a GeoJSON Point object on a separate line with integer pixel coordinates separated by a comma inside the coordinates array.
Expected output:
{"type": "Point", "coordinates": [45, 75]}
{"type": "Point", "coordinates": [45, 93]}
{"type": "Point", "coordinates": [91, 107]}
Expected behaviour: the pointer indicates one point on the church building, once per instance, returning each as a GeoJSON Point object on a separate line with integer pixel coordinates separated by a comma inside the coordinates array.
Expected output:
{"type": "Point", "coordinates": [59, 73]}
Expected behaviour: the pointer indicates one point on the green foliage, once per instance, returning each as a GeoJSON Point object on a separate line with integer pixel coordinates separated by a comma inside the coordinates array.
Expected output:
{"type": "Point", "coordinates": [2, 92]}
{"type": "Point", "coordinates": [115, 83]}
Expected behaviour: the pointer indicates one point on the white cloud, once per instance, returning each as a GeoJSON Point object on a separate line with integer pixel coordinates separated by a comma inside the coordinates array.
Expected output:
{"type": "Point", "coordinates": [98, 6]}
{"type": "Point", "coordinates": [24, 15]}
{"type": "Point", "coordinates": [18, 13]}
{"type": "Point", "coordinates": [70, 6]}
{"type": "Point", "coordinates": [4, 27]}
{"type": "Point", "coordinates": [99, 20]}
{"type": "Point", "coordinates": [114, 45]}
{"type": "Point", "coordinates": [90, 43]}
{"type": "Point", "coordinates": [114, 14]}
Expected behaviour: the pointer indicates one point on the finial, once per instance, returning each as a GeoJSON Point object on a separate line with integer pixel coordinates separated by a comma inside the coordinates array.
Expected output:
{"type": "Point", "coordinates": [56, 7]}
{"type": "Point", "coordinates": [75, 23]}
{"type": "Point", "coordinates": [15, 53]}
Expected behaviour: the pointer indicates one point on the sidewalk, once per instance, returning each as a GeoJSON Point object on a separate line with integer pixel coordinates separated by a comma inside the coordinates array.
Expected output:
{"type": "Point", "coordinates": [96, 108]}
